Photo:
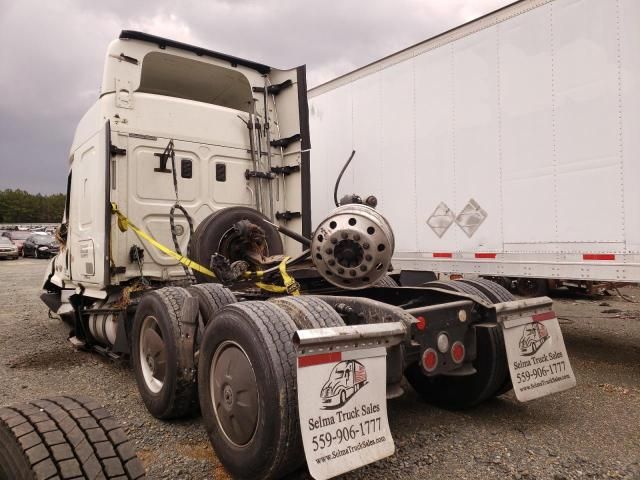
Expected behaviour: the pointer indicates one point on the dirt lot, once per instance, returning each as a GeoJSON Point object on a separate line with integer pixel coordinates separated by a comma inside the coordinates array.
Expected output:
{"type": "Point", "coordinates": [592, 431]}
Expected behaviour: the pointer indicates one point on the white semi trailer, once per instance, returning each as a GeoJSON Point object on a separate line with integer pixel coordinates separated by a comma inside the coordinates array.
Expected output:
{"type": "Point", "coordinates": [506, 147]}
{"type": "Point", "coordinates": [188, 247]}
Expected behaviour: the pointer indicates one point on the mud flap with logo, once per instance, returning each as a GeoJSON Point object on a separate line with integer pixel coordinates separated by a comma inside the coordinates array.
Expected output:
{"type": "Point", "coordinates": [342, 398]}
{"type": "Point", "coordinates": [538, 360]}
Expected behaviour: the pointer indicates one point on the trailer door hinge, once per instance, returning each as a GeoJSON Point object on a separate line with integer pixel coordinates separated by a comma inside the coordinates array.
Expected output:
{"type": "Point", "coordinates": [286, 170]}
{"type": "Point", "coordinates": [253, 174]}
{"type": "Point", "coordinates": [274, 89]}
{"type": "Point", "coordinates": [285, 142]}
{"type": "Point", "coordinates": [116, 151]}
{"type": "Point", "coordinates": [286, 216]}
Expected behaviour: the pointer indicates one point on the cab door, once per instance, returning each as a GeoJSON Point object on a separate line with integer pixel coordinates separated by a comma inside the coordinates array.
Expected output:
{"type": "Point", "coordinates": [89, 211]}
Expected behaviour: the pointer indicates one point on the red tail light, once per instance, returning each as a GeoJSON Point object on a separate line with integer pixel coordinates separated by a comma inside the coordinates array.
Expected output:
{"type": "Point", "coordinates": [457, 352]}
{"type": "Point", "coordinates": [422, 323]}
{"type": "Point", "coordinates": [430, 359]}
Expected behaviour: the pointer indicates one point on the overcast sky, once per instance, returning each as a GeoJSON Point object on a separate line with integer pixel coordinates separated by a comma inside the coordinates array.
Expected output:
{"type": "Point", "coordinates": [52, 53]}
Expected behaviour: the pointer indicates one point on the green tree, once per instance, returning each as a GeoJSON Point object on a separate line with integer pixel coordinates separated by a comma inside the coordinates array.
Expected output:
{"type": "Point", "coordinates": [18, 206]}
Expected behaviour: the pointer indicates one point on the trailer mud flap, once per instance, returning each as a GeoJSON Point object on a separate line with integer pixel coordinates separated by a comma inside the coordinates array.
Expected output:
{"type": "Point", "coordinates": [342, 396]}
{"type": "Point", "coordinates": [538, 360]}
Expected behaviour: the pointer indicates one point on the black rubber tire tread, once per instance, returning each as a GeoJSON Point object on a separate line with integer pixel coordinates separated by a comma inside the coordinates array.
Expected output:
{"type": "Point", "coordinates": [496, 293]}
{"type": "Point", "coordinates": [270, 329]}
{"type": "Point", "coordinates": [65, 437]}
{"type": "Point", "coordinates": [308, 311]}
{"type": "Point", "coordinates": [181, 397]}
{"type": "Point", "coordinates": [386, 281]}
{"type": "Point", "coordinates": [456, 286]}
{"type": "Point", "coordinates": [211, 298]}
{"type": "Point", "coordinates": [458, 393]}
{"type": "Point", "coordinates": [212, 228]}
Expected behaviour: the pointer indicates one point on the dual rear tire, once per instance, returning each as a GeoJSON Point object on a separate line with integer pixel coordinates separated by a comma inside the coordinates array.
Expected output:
{"type": "Point", "coordinates": [247, 381]}
{"type": "Point", "coordinates": [492, 372]}
{"type": "Point", "coordinates": [246, 370]}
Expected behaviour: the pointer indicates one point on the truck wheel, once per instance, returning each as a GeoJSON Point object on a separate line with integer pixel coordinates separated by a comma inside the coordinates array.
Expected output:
{"type": "Point", "coordinates": [492, 374]}
{"type": "Point", "coordinates": [458, 393]}
{"type": "Point", "coordinates": [163, 334]}
{"type": "Point", "coordinates": [211, 298]}
{"type": "Point", "coordinates": [386, 281]}
{"type": "Point", "coordinates": [64, 437]}
{"type": "Point", "coordinates": [247, 390]}
{"type": "Point", "coordinates": [496, 293]}
{"type": "Point", "coordinates": [532, 287]}
{"type": "Point", "coordinates": [457, 286]}
{"type": "Point", "coordinates": [309, 312]}
{"type": "Point", "coordinates": [215, 234]}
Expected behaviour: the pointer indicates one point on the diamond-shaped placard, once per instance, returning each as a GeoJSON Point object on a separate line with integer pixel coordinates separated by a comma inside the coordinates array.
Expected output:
{"type": "Point", "coordinates": [471, 217]}
{"type": "Point", "coordinates": [441, 219]}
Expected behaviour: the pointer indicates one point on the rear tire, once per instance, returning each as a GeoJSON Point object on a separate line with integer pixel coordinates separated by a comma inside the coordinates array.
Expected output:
{"type": "Point", "coordinates": [492, 372]}
{"type": "Point", "coordinates": [163, 334]}
{"type": "Point", "coordinates": [386, 281]}
{"type": "Point", "coordinates": [309, 312]}
{"type": "Point", "coordinates": [267, 443]}
{"type": "Point", "coordinates": [457, 286]}
{"type": "Point", "coordinates": [64, 437]}
{"type": "Point", "coordinates": [211, 298]}
{"type": "Point", "coordinates": [495, 292]}
{"type": "Point", "coordinates": [457, 393]}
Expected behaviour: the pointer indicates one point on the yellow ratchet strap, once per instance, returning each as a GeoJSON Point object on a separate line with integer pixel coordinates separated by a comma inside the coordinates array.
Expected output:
{"type": "Point", "coordinates": [291, 287]}
{"type": "Point", "coordinates": [124, 223]}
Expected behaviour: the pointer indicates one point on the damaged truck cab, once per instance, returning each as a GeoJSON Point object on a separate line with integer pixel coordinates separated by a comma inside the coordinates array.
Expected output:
{"type": "Point", "coordinates": [188, 248]}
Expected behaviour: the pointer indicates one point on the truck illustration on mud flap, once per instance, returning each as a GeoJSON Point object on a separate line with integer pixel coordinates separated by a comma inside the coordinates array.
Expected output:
{"type": "Point", "coordinates": [346, 378]}
{"type": "Point", "coordinates": [533, 337]}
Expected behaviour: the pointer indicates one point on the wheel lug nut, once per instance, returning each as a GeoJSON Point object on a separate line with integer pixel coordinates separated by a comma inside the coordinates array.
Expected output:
{"type": "Point", "coordinates": [356, 237]}
{"type": "Point", "coordinates": [368, 258]}
{"type": "Point", "coordinates": [365, 246]}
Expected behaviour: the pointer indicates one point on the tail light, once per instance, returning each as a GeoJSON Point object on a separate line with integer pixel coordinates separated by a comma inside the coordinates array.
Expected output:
{"type": "Point", "coordinates": [429, 360]}
{"type": "Point", "coordinates": [457, 352]}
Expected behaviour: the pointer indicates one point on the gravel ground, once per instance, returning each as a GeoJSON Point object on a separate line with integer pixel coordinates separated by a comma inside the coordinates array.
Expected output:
{"type": "Point", "coordinates": [592, 431]}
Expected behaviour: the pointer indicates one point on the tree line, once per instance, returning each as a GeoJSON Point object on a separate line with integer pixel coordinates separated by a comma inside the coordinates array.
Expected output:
{"type": "Point", "coordinates": [18, 206]}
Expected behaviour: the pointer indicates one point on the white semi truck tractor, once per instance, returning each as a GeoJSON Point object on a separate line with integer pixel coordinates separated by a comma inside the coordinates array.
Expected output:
{"type": "Point", "coordinates": [188, 248]}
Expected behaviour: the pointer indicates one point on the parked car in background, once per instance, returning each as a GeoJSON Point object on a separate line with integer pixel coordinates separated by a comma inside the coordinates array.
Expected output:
{"type": "Point", "coordinates": [40, 246]}
{"type": "Point", "coordinates": [17, 237]}
{"type": "Point", "coordinates": [7, 249]}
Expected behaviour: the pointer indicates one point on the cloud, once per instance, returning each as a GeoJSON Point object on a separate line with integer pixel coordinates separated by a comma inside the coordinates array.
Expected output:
{"type": "Point", "coordinates": [52, 55]}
